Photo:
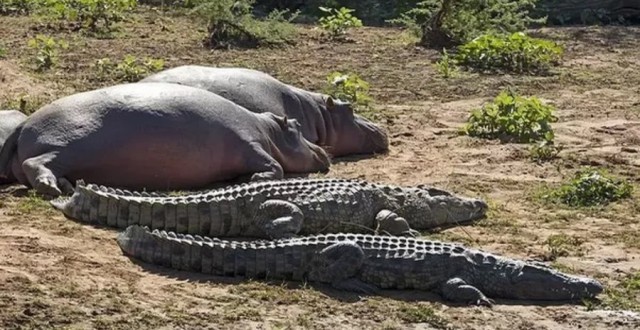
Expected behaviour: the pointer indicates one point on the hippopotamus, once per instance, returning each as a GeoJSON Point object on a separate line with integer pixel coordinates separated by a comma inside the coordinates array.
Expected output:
{"type": "Point", "coordinates": [325, 121]}
{"type": "Point", "coordinates": [154, 136]}
{"type": "Point", "coordinates": [9, 120]}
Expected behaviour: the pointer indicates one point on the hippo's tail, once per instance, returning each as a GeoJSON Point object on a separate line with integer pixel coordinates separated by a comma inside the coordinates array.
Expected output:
{"type": "Point", "coordinates": [8, 150]}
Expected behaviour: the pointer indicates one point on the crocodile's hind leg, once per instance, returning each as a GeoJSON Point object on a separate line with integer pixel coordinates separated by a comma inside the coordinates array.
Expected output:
{"type": "Point", "coordinates": [279, 219]}
{"type": "Point", "coordinates": [389, 222]}
{"type": "Point", "coordinates": [338, 264]}
{"type": "Point", "coordinates": [40, 174]}
{"type": "Point", "coordinates": [456, 289]}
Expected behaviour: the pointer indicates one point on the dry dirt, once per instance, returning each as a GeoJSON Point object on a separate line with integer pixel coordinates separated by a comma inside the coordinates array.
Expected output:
{"type": "Point", "coordinates": [55, 273]}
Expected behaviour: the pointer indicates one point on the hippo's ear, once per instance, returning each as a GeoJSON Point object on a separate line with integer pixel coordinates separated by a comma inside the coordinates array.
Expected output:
{"type": "Point", "coordinates": [283, 122]}
{"type": "Point", "coordinates": [330, 103]}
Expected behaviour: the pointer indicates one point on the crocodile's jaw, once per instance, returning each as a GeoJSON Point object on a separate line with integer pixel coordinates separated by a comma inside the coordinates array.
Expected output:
{"type": "Point", "coordinates": [521, 280]}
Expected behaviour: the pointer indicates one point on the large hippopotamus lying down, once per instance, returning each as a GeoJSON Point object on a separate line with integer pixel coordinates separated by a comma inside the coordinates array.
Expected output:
{"type": "Point", "coordinates": [325, 121]}
{"type": "Point", "coordinates": [9, 121]}
{"type": "Point", "coordinates": [153, 136]}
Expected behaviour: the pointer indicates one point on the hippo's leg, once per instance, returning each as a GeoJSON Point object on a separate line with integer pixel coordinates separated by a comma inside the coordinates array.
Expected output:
{"type": "Point", "coordinates": [279, 219]}
{"type": "Point", "coordinates": [389, 222]}
{"type": "Point", "coordinates": [263, 165]}
{"type": "Point", "coordinates": [40, 174]}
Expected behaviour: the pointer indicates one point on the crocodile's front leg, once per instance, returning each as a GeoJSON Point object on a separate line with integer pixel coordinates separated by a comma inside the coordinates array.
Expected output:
{"type": "Point", "coordinates": [279, 219]}
{"type": "Point", "coordinates": [389, 222]}
{"type": "Point", "coordinates": [338, 264]}
{"type": "Point", "coordinates": [456, 289]}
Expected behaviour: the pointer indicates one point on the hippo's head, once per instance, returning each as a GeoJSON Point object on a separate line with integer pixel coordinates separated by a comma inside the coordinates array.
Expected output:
{"type": "Point", "coordinates": [295, 153]}
{"type": "Point", "coordinates": [354, 134]}
{"type": "Point", "coordinates": [9, 121]}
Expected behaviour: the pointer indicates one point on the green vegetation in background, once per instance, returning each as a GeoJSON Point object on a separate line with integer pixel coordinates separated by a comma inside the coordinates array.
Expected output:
{"type": "Point", "coordinates": [591, 187]}
{"type": "Point", "coordinates": [511, 117]}
{"type": "Point", "coordinates": [231, 23]}
{"type": "Point", "coordinates": [130, 69]}
{"type": "Point", "coordinates": [516, 53]}
{"type": "Point", "coordinates": [338, 21]}
{"type": "Point", "coordinates": [349, 87]}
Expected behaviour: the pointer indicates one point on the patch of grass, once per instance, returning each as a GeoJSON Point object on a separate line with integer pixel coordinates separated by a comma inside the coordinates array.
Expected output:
{"type": "Point", "coordinates": [517, 53]}
{"type": "Point", "coordinates": [130, 69]}
{"type": "Point", "coordinates": [3, 52]}
{"type": "Point", "coordinates": [514, 118]}
{"type": "Point", "coordinates": [268, 293]}
{"type": "Point", "coordinates": [625, 295]}
{"type": "Point", "coordinates": [24, 103]}
{"type": "Point", "coordinates": [590, 187]}
{"type": "Point", "coordinates": [421, 313]}
{"type": "Point", "coordinates": [33, 203]}
{"type": "Point", "coordinates": [562, 245]}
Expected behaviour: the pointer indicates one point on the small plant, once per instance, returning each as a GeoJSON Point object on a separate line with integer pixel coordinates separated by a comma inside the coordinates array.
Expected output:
{"type": "Point", "coordinates": [591, 187]}
{"type": "Point", "coordinates": [562, 245]}
{"type": "Point", "coordinates": [624, 296]}
{"type": "Point", "coordinates": [511, 117]}
{"type": "Point", "coordinates": [517, 53]}
{"type": "Point", "coordinates": [231, 24]}
{"type": "Point", "coordinates": [338, 21]}
{"type": "Point", "coordinates": [46, 51]}
{"type": "Point", "coordinates": [421, 314]}
{"type": "Point", "coordinates": [3, 51]}
{"type": "Point", "coordinates": [544, 151]}
{"type": "Point", "coordinates": [130, 69]}
{"type": "Point", "coordinates": [350, 88]}
{"type": "Point", "coordinates": [446, 65]}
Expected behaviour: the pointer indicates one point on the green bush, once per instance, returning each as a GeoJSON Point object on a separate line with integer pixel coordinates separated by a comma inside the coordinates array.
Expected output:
{"type": "Point", "coordinates": [591, 187]}
{"type": "Point", "coordinates": [350, 88]}
{"type": "Point", "coordinates": [447, 22]}
{"type": "Point", "coordinates": [511, 117]}
{"type": "Point", "coordinates": [130, 69]}
{"type": "Point", "coordinates": [46, 49]}
{"type": "Point", "coordinates": [338, 21]}
{"type": "Point", "coordinates": [516, 53]}
{"type": "Point", "coordinates": [231, 24]}
{"type": "Point", "coordinates": [19, 7]}
{"type": "Point", "coordinates": [97, 16]}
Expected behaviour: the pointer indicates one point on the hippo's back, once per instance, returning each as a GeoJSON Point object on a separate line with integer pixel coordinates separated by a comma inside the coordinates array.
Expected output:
{"type": "Point", "coordinates": [9, 120]}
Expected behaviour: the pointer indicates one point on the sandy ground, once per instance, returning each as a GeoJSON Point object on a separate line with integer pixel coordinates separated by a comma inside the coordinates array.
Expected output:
{"type": "Point", "coordinates": [56, 273]}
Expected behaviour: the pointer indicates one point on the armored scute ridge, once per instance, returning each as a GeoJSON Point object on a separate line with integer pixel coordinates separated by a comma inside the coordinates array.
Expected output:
{"type": "Point", "coordinates": [362, 263]}
{"type": "Point", "coordinates": [276, 209]}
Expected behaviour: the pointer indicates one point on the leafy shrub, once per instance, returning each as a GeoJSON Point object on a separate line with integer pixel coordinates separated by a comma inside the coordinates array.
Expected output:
{"type": "Point", "coordinates": [513, 118]}
{"type": "Point", "coordinates": [46, 51]}
{"type": "Point", "coordinates": [449, 22]}
{"type": "Point", "coordinates": [231, 23]}
{"type": "Point", "coordinates": [350, 88]}
{"type": "Point", "coordinates": [513, 53]}
{"type": "Point", "coordinates": [19, 7]}
{"type": "Point", "coordinates": [591, 187]}
{"type": "Point", "coordinates": [545, 150]}
{"type": "Point", "coordinates": [338, 21]}
{"type": "Point", "coordinates": [130, 69]}
{"type": "Point", "coordinates": [446, 65]}
{"type": "Point", "coordinates": [95, 15]}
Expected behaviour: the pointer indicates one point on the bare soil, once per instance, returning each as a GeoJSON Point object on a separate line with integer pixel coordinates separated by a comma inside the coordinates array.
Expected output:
{"type": "Point", "coordinates": [56, 273]}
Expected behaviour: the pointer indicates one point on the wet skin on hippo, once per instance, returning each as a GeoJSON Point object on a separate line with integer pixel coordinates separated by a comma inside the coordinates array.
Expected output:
{"type": "Point", "coordinates": [9, 121]}
{"type": "Point", "coordinates": [154, 136]}
{"type": "Point", "coordinates": [326, 122]}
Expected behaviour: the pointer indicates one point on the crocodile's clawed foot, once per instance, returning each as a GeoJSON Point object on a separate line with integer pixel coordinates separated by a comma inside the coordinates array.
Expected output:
{"type": "Point", "coordinates": [411, 233]}
{"type": "Point", "coordinates": [355, 285]}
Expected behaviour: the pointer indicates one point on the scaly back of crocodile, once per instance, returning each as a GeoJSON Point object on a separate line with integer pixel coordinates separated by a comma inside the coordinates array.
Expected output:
{"type": "Point", "coordinates": [356, 261]}
{"type": "Point", "coordinates": [327, 204]}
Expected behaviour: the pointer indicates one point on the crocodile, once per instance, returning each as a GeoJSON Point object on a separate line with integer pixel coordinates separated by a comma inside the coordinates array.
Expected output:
{"type": "Point", "coordinates": [276, 209]}
{"type": "Point", "coordinates": [362, 263]}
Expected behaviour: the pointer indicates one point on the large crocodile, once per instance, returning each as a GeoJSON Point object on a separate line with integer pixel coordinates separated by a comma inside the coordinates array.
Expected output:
{"type": "Point", "coordinates": [364, 263]}
{"type": "Point", "coordinates": [276, 209]}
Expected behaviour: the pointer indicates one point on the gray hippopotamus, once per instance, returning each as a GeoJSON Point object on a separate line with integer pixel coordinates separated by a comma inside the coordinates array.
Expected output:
{"type": "Point", "coordinates": [326, 122]}
{"type": "Point", "coordinates": [9, 120]}
{"type": "Point", "coordinates": [154, 136]}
